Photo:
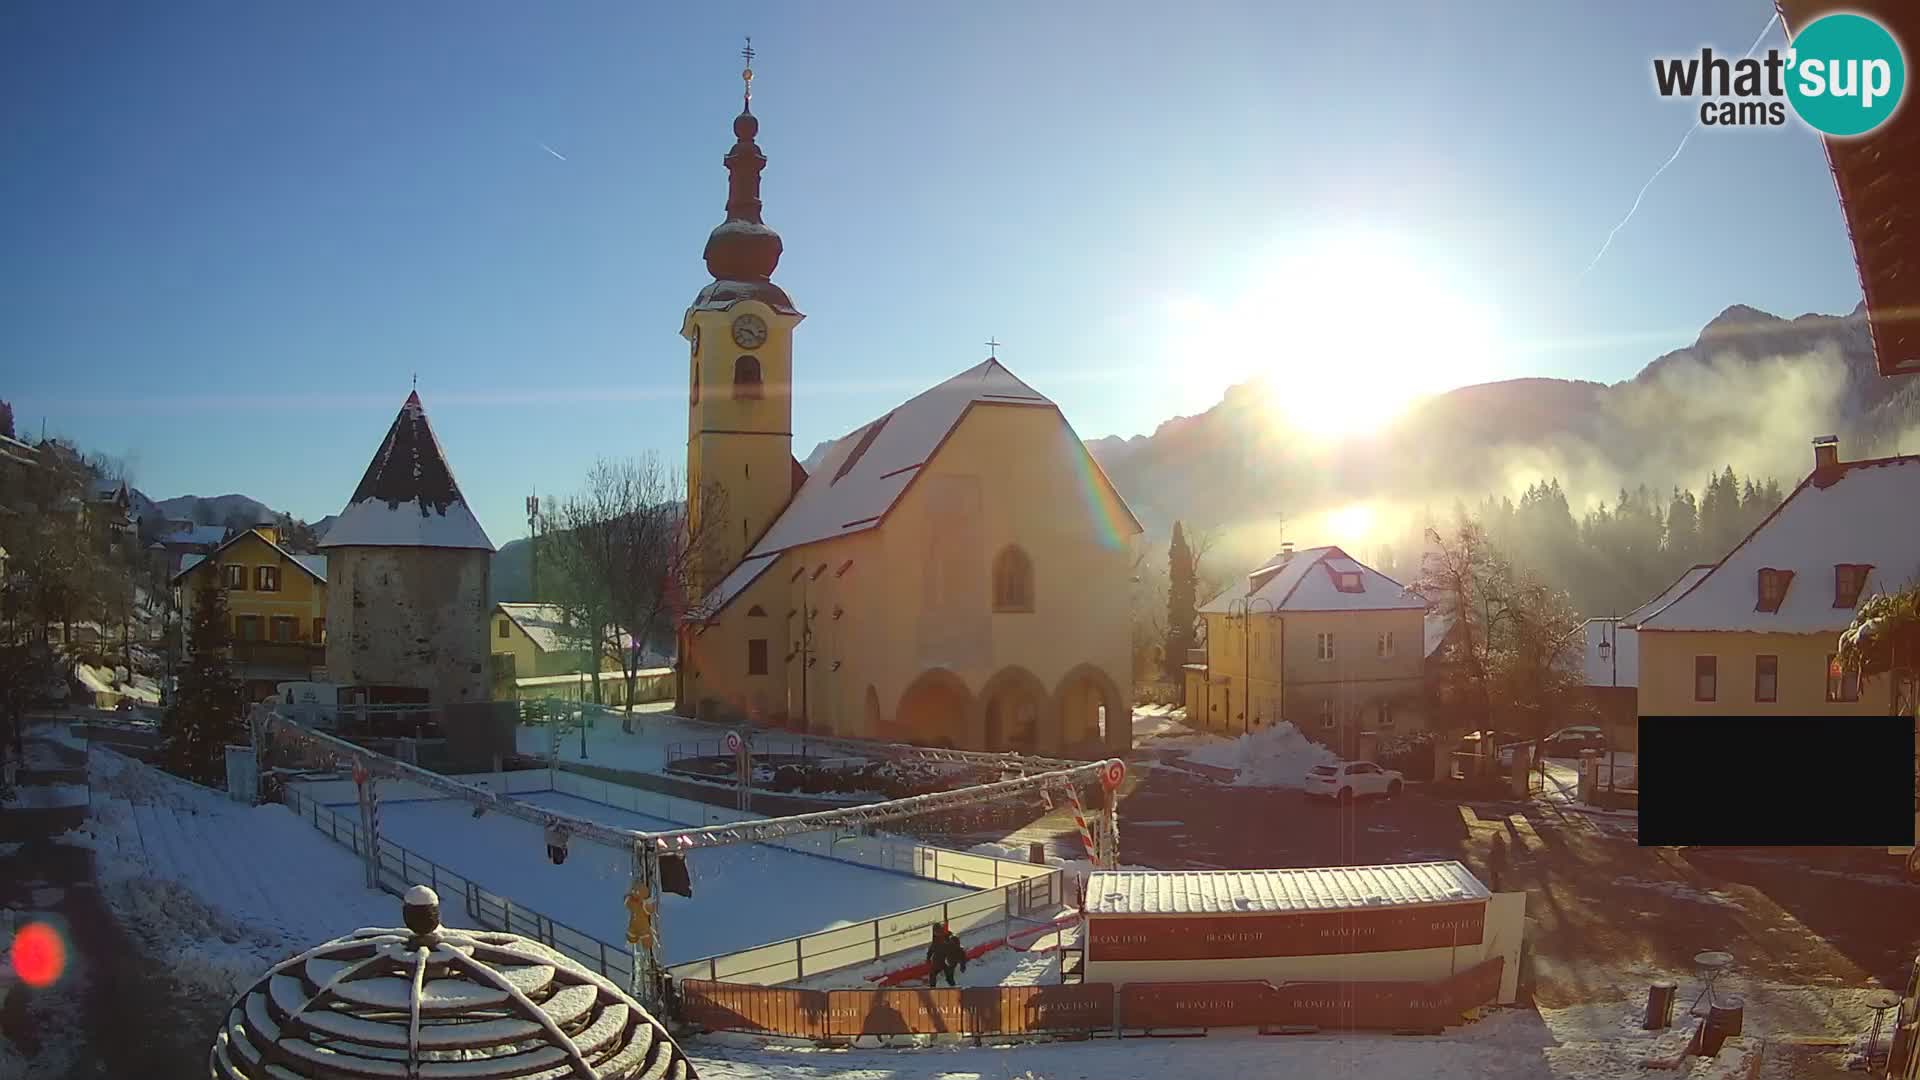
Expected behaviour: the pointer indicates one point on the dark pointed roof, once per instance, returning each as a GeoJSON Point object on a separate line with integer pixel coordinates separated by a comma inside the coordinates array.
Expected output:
{"type": "Point", "coordinates": [408, 497]}
{"type": "Point", "coordinates": [742, 251]}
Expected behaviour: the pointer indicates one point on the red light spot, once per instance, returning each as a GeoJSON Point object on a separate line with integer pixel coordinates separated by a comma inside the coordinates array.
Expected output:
{"type": "Point", "coordinates": [38, 955]}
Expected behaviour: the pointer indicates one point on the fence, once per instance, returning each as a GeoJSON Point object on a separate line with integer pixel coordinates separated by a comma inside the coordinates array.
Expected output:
{"type": "Point", "coordinates": [1008, 890]}
{"type": "Point", "coordinates": [764, 745]}
{"type": "Point", "coordinates": [401, 868]}
{"type": "Point", "coordinates": [823, 1014]}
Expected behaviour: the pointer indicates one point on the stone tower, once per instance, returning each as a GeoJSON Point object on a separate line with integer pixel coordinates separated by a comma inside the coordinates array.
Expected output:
{"type": "Point", "coordinates": [739, 396]}
{"type": "Point", "coordinates": [407, 570]}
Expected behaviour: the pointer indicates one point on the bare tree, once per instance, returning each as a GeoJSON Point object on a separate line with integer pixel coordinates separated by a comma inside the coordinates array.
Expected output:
{"type": "Point", "coordinates": [622, 554]}
{"type": "Point", "coordinates": [1201, 541]}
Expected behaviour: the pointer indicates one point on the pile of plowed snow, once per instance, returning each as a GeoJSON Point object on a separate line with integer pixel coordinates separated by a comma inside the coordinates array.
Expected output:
{"type": "Point", "coordinates": [1276, 757]}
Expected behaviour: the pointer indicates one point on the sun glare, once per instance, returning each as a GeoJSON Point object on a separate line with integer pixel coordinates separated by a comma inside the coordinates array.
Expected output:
{"type": "Point", "coordinates": [1345, 332]}
{"type": "Point", "coordinates": [1350, 524]}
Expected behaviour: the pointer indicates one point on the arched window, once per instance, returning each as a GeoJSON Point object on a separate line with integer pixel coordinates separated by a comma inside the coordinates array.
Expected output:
{"type": "Point", "coordinates": [1012, 580]}
{"type": "Point", "coordinates": [746, 378]}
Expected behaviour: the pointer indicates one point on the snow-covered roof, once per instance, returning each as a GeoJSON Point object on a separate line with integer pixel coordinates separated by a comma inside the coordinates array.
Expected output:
{"type": "Point", "coordinates": [547, 625]}
{"type": "Point", "coordinates": [1859, 513]}
{"type": "Point", "coordinates": [408, 497]}
{"type": "Point", "coordinates": [1667, 595]}
{"type": "Point", "coordinates": [1196, 892]}
{"type": "Point", "coordinates": [745, 573]}
{"type": "Point", "coordinates": [863, 473]}
{"type": "Point", "coordinates": [1309, 581]}
{"type": "Point", "coordinates": [315, 565]}
{"type": "Point", "coordinates": [200, 535]}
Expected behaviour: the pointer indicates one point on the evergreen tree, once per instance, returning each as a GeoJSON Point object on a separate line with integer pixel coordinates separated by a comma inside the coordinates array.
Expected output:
{"type": "Point", "coordinates": [1182, 583]}
{"type": "Point", "coordinates": [208, 704]}
{"type": "Point", "coordinates": [6, 419]}
{"type": "Point", "coordinates": [1683, 533]}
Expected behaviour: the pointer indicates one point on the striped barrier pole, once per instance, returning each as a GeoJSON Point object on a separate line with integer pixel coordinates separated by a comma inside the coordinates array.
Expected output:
{"type": "Point", "coordinates": [1080, 822]}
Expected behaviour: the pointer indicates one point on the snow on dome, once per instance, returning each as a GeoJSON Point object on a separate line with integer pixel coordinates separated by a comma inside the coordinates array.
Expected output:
{"type": "Point", "coordinates": [441, 1003]}
{"type": "Point", "coordinates": [421, 896]}
{"type": "Point", "coordinates": [408, 497]}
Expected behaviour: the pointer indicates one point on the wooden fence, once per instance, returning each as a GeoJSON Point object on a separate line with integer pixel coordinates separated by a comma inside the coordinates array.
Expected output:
{"type": "Point", "coordinates": [824, 1014]}
{"type": "Point", "coordinates": [1025, 1010]}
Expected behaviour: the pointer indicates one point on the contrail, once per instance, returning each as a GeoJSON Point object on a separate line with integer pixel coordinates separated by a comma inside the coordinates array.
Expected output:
{"type": "Point", "coordinates": [1764, 31]}
{"type": "Point", "coordinates": [552, 151]}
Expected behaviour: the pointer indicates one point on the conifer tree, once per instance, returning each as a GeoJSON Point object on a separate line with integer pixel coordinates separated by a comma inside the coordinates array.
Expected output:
{"type": "Point", "coordinates": [207, 713]}
{"type": "Point", "coordinates": [1181, 585]}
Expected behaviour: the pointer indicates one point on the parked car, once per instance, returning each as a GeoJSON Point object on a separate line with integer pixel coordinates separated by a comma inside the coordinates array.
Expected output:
{"type": "Point", "coordinates": [1569, 741]}
{"type": "Point", "coordinates": [1349, 780]}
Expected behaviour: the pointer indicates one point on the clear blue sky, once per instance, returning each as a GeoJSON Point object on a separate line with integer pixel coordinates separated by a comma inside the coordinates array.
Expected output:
{"type": "Point", "coordinates": [234, 231]}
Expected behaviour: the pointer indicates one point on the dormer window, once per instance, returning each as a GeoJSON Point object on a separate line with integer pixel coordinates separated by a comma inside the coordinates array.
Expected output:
{"type": "Point", "coordinates": [1348, 581]}
{"type": "Point", "coordinates": [1773, 589]}
{"type": "Point", "coordinates": [1849, 581]}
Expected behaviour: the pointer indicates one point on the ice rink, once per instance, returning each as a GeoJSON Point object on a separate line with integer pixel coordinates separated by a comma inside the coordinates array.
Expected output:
{"type": "Point", "coordinates": [743, 895]}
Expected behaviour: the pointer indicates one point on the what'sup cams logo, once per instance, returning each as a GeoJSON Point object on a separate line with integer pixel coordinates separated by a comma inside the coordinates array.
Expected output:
{"type": "Point", "coordinates": [1842, 74]}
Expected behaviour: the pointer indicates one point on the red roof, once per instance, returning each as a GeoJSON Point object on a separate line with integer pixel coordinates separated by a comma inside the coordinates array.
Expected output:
{"type": "Point", "coordinates": [1876, 175]}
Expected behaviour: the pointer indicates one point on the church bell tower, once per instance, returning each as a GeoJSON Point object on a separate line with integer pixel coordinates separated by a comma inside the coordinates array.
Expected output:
{"type": "Point", "coordinates": [739, 330]}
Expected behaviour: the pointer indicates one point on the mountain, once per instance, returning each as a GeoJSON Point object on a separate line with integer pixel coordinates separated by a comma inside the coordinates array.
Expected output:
{"type": "Point", "coordinates": [218, 510]}
{"type": "Point", "coordinates": [1750, 392]}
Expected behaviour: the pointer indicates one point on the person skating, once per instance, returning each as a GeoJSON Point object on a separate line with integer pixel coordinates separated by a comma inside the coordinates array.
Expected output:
{"type": "Point", "coordinates": [936, 953]}
{"type": "Point", "coordinates": [556, 843]}
{"type": "Point", "coordinates": [946, 956]}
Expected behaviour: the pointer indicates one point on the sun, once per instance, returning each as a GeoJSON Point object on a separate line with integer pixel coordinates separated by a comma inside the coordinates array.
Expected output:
{"type": "Point", "coordinates": [1344, 332]}
{"type": "Point", "coordinates": [1350, 524]}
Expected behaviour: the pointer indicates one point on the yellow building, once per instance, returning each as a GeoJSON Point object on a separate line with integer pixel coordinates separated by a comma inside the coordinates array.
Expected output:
{"type": "Point", "coordinates": [537, 653]}
{"type": "Point", "coordinates": [1315, 638]}
{"type": "Point", "coordinates": [1756, 634]}
{"type": "Point", "coordinates": [954, 572]}
{"type": "Point", "coordinates": [277, 601]}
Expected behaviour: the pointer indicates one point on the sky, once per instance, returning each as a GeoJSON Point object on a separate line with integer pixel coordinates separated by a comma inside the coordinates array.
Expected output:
{"type": "Point", "coordinates": [237, 232]}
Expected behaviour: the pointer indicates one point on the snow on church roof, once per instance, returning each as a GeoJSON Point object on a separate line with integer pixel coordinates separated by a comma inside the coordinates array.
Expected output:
{"type": "Point", "coordinates": [1308, 581]}
{"type": "Point", "coordinates": [1859, 512]}
{"type": "Point", "coordinates": [864, 472]}
{"type": "Point", "coordinates": [408, 497]}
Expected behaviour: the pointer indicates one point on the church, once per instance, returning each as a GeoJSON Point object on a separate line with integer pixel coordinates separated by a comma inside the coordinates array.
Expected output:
{"type": "Point", "coordinates": [954, 573]}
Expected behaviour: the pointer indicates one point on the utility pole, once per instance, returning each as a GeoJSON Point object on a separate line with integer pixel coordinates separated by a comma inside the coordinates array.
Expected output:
{"type": "Point", "coordinates": [533, 544]}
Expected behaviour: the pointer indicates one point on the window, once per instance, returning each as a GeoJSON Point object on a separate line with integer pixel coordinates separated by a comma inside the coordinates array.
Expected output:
{"type": "Point", "coordinates": [266, 578]}
{"type": "Point", "coordinates": [1706, 678]}
{"type": "Point", "coordinates": [1849, 579]}
{"type": "Point", "coordinates": [1841, 685]}
{"type": "Point", "coordinates": [285, 629]}
{"type": "Point", "coordinates": [503, 632]}
{"type": "Point", "coordinates": [757, 656]}
{"type": "Point", "coordinates": [693, 378]}
{"type": "Point", "coordinates": [1326, 712]}
{"type": "Point", "coordinates": [1383, 645]}
{"type": "Point", "coordinates": [1766, 678]}
{"type": "Point", "coordinates": [1323, 647]}
{"type": "Point", "coordinates": [1012, 580]}
{"type": "Point", "coordinates": [1773, 589]}
{"type": "Point", "coordinates": [746, 379]}
{"type": "Point", "coordinates": [1386, 714]}
{"type": "Point", "coordinates": [246, 627]}
{"type": "Point", "coordinates": [236, 576]}
{"type": "Point", "coordinates": [1348, 581]}
{"type": "Point", "coordinates": [756, 612]}
{"type": "Point", "coordinates": [319, 631]}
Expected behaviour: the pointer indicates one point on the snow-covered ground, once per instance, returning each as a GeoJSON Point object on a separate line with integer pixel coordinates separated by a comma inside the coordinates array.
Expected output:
{"type": "Point", "coordinates": [1158, 721]}
{"type": "Point", "coordinates": [48, 796]}
{"type": "Point", "coordinates": [743, 895]}
{"type": "Point", "coordinates": [213, 888]}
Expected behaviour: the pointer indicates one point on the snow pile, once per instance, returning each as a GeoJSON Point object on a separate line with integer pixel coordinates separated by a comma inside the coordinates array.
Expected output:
{"type": "Point", "coordinates": [215, 890]}
{"type": "Point", "coordinates": [1272, 757]}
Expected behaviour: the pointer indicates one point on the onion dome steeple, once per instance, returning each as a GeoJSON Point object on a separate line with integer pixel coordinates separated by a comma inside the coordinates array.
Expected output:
{"type": "Point", "coordinates": [742, 251]}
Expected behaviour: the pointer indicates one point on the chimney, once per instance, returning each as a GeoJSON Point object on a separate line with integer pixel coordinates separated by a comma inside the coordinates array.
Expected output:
{"type": "Point", "coordinates": [1826, 452]}
{"type": "Point", "coordinates": [1286, 547]}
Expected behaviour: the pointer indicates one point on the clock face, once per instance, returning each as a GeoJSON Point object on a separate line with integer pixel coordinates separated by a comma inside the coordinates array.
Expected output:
{"type": "Point", "coordinates": [749, 332]}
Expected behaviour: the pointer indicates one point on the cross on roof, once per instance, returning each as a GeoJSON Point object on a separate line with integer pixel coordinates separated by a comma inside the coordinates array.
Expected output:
{"type": "Point", "coordinates": [993, 349]}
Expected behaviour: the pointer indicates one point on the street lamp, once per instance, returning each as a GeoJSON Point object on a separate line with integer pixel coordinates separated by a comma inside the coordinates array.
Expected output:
{"type": "Point", "coordinates": [1244, 607]}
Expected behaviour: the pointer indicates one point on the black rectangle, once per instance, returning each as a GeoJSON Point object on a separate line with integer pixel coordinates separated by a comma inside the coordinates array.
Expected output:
{"type": "Point", "coordinates": [1776, 781]}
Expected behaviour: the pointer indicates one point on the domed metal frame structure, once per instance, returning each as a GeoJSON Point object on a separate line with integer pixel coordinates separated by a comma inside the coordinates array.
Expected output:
{"type": "Point", "coordinates": [426, 1002]}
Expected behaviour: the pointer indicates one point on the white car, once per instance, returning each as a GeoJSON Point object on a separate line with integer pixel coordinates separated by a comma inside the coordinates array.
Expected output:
{"type": "Point", "coordinates": [1349, 780]}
